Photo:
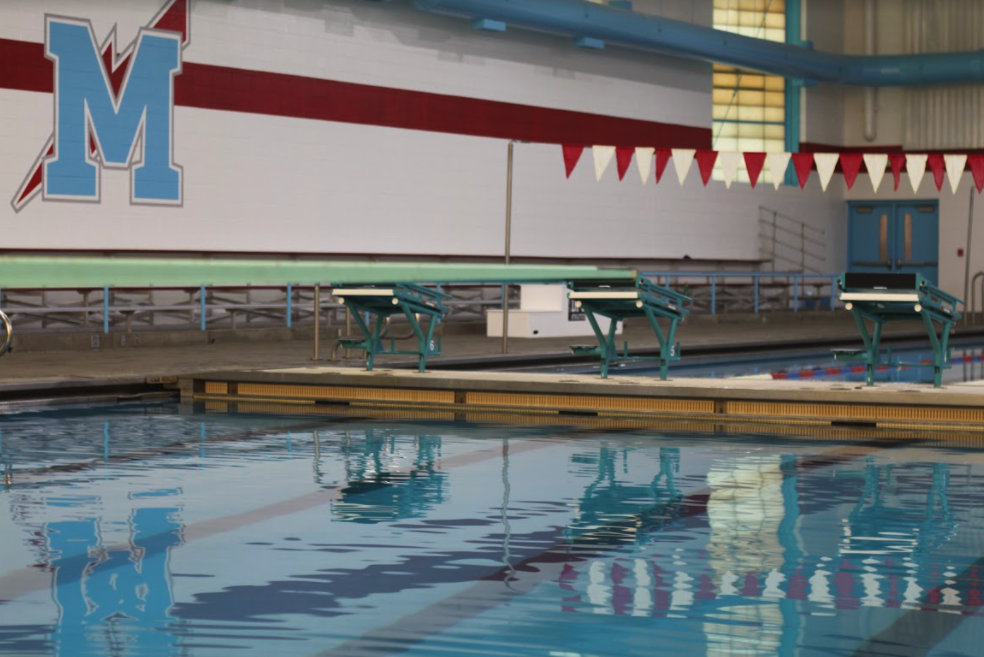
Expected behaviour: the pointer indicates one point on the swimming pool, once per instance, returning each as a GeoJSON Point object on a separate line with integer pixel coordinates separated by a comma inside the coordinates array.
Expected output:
{"type": "Point", "coordinates": [968, 365]}
{"type": "Point", "coordinates": [160, 529]}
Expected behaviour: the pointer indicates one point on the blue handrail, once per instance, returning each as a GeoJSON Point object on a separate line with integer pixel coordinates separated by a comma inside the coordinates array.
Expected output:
{"type": "Point", "coordinates": [796, 279]}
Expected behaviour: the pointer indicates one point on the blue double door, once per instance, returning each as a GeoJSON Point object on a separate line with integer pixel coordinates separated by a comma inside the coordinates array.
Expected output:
{"type": "Point", "coordinates": [894, 237]}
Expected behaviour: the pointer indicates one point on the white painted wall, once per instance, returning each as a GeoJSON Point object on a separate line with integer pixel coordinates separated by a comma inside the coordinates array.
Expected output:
{"type": "Point", "coordinates": [257, 183]}
{"type": "Point", "coordinates": [615, 218]}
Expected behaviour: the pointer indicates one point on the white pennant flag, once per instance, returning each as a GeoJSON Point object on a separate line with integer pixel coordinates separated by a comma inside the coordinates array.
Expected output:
{"type": "Point", "coordinates": [915, 166]}
{"type": "Point", "coordinates": [644, 160]}
{"type": "Point", "coordinates": [777, 167]}
{"type": "Point", "coordinates": [875, 163]}
{"type": "Point", "coordinates": [602, 158]}
{"type": "Point", "coordinates": [729, 166]}
{"type": "Point", "coordinates": [826, 163]}
{"type": "Point", "coordinates": [955, 169]}
{"type": "Point", "coordinates": [682, 159]}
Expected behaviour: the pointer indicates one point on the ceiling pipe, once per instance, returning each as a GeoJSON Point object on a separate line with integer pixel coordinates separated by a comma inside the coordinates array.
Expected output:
{"type": "Point", "coordinates": [579, 19]}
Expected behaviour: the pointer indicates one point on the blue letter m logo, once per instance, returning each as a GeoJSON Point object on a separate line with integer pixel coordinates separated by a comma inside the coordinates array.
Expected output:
{"type": "Point", "coordinates": [131, 129]}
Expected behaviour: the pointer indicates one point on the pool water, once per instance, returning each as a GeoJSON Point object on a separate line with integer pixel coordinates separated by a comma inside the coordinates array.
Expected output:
{"type": "Point", "coordinates": [967, 365]}
{"type": "Point", "coordinates": [156, 530]}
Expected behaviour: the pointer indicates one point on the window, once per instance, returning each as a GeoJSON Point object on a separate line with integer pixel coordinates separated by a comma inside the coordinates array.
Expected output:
{"type": "Point", "coordinates": [749, 107]}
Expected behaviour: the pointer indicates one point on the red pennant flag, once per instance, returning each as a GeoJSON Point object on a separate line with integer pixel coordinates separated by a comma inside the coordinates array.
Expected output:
{"type": "Point", "coordinates": [976, 163]}
{"type": "Point", "coordinates": [897, 161]}
{"type": "Point", "coordinates": [662, 159]}
{"type": "Point", "coordinates": [623, 158]}
{"type": "Point", "coordinates": [753, 164]}
{"type": "Point", "coordinates": [803, 163]}
{"type": "Point", "coordinates": [851, 166]}
{"type": "Point", "coordinates": [938, 166]}
{"type": "Point", "coordinates": [705, 162]}
{"type": "Point", "coordinates": [571, 155]}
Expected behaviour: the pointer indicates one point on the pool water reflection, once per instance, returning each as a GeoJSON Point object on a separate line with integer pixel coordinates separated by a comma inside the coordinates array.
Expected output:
{"type": "Point", "coordinates": [150, 530]}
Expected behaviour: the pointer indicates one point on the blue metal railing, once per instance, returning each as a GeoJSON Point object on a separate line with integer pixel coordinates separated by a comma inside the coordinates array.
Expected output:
{"type": "Point", "coordinates": [754, 288]}
{"type": "Point", "coordinates": [797, 281]}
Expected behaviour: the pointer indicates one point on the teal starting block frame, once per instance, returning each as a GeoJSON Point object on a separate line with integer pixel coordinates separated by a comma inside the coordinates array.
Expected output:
{"type": "Point", "coordinates": [379, 302]}
{"type": "Point", "coordinates": [881, 298]}
{"type": "Point", "coordinates": [619, 300]}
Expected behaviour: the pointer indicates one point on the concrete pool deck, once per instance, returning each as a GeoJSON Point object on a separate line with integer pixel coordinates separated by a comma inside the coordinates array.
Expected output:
{"type": "Point", "coordinates": [156, 357]}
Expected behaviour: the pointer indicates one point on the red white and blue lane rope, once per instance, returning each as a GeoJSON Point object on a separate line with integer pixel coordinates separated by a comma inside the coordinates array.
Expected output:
{"type": "Point", "coordinates": [821, 372]}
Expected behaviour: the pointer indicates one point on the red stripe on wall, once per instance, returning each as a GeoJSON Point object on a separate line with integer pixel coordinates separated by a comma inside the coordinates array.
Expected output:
{"type": "Point", "coordinates": [24, 66]}
{"type": "Point", "coordinates": [276, 94]}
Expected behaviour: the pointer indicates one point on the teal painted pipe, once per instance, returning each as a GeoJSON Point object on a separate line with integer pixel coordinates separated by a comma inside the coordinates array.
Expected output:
{"type": "Point", "coordinates": [579, 19]}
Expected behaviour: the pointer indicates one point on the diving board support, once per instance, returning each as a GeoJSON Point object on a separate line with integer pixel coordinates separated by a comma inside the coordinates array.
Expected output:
{"type": "Point", "coordinates": [372, 307]}
{"type": "Point", "coordinates": [620, 300]}
{"type": "Point", "coordinates": [881, 298]}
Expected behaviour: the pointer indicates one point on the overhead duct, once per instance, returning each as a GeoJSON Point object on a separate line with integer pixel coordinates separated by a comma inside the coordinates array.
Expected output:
{"type": "Point", "coordinates": [600, 24]}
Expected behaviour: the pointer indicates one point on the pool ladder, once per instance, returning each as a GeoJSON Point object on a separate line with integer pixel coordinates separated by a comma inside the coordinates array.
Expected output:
{"type": "Point", "coordinates": [8, 333]}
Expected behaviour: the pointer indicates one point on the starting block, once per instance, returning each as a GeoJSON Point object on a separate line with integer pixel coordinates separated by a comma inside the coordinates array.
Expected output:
{"type": "Point", "coordinates": [881, 298]}
{"type": "Point", "coordinates": [379, 302]}
{"type": "Point", "coordinates": [619, 300]}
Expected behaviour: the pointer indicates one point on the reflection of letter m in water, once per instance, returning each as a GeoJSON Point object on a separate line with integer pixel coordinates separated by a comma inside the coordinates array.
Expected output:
{"type": "Point", "coordinates": [96, 127]}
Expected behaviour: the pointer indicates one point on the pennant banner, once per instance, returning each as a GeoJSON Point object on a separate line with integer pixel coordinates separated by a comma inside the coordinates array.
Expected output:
{"type": "Point", "coordinates": [571, 155]}
{"type": "Point", "coordinates": [644, 161]}
{"type": "Point", "coordinates": [950, 166]}
{"type": "Point", "coordinates": [623, 158]}
{"type": "Point", "coordinates": [778, 163]}
{"type": "Point", "coordinates": [826, 164]}
{"type": "Point", "coordinates": [753, 164]}
{"type": "Point", "coordinates": [803, 163]}
{"type": "Point", "coordinates": [705, 163]}
{"type": "Point", "coordinates": [876, 163]}
{"type": "Point", "coordinates": [851, 165]}
{"type": "Point", "coordinates": [602, 158]}
{"type": "Point", "coordinates": [662, 159]}
{"type": "Point", "coordinates": [682, 159]}
{"type": "Point", "coordinates": [915, 166]}
{"type": "Point", "coordinates": [955, 165]}
{"type": "Point", "coordinates": [897, 161]}
{"type": "Point", "coordinates": [938, 166]}
{"type": "Point", "coordinates": [976, 163]}
{"type": "Point", "coordinates": [729, 167]}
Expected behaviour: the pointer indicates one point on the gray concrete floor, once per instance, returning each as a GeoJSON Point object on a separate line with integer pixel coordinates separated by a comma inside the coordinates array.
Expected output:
{"type": "Point", "coordinates": [133, 364]}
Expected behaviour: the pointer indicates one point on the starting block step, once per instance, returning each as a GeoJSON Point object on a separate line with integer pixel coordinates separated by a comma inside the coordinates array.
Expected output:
{"type": "Point", "coordinates": [849, 354]}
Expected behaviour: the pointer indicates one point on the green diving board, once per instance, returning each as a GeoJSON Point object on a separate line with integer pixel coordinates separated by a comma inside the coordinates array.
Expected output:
{"type": "Point", "coordinates": [882, 298]}
{"type": "Point", "coordinates": [96, 272]}
{"type": "Point", "coordinates": [620, 299]}
{"type": "Point", "coordinates": [379, 302]}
